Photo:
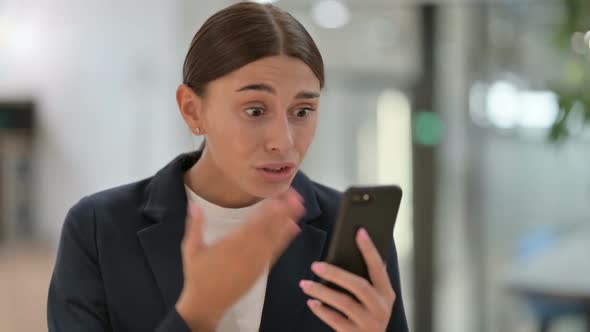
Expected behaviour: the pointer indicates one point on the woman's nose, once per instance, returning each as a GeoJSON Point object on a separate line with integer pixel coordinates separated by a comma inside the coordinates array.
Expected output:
{"type": "Point", "coordinates": [280, 135]}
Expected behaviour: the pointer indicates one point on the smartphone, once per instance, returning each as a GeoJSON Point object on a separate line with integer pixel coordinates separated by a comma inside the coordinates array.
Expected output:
{"type": "Point", "coordinates": [373, 208]}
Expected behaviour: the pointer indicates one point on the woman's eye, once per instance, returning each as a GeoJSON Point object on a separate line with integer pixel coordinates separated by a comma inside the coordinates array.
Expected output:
{"type": "Point", "coordinates": [303, 112]}
{"type": "Point", "coordinates": [255, 111]}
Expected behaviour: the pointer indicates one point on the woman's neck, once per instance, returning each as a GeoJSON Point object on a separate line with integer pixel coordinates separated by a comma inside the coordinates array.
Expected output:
{"type": "Point", "coordinates": [205, 179]}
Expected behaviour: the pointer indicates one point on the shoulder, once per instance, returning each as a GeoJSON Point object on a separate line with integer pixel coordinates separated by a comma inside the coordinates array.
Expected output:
{"type": "Point", "coordinates": [123, 202]}
{"type": "Point", "coordinates": [120, 197]}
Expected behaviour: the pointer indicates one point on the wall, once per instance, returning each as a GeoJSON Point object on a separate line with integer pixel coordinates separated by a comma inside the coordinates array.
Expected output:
{"type": "Point", "coordinates": [103, 75]}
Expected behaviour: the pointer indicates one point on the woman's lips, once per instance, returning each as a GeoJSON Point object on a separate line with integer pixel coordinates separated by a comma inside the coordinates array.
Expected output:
{"type": "Point", "coordinates": [276, 172]}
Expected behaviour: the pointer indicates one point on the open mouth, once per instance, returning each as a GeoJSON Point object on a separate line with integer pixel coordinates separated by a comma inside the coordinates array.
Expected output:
{"type": "Point", "coordinates": [277, 172]}
{"type": "Point", "coordinates": [283, 169]}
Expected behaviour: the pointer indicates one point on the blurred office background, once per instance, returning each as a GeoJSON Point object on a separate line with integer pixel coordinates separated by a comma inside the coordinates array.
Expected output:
{"type": "Point", "coordinates": [476, 108]}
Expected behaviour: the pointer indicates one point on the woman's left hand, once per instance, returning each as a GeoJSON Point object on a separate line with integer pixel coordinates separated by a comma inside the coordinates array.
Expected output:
{"type": "Point", "coordinates": [375, 298]}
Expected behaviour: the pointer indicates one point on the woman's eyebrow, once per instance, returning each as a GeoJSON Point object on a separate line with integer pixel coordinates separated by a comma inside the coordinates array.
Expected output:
{"type": "Point", "coordinates": [270, 89]}
{"type": "Point", "coordinates": [258, 87]}
{"type": "Point", "coordinates": [307, 95]}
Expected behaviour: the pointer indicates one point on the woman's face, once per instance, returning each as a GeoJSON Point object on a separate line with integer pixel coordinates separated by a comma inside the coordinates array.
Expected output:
{"type": "Point", "coordinates": [259, 122]}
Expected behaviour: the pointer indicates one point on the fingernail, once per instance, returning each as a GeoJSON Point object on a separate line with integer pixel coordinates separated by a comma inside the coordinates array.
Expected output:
{"type": "Point", "coordinates": [301, 211]}
{"type": "Point", "coordinates": [313, 303]}
{"type": "Point", "coordinates": [295, 230]}
{"type": "Point", "coordinates": [292, 198]}
{"type": "Point", "coordinates": [296, 204]}
{"type": "Point", "coordinates": [363, 234]}
{"type": "Point", "coordinates": [297, 195]}
{"type": "Point", "coordinates": [304, 284]}
{"type": "Point", "coordinates": [318, 267]}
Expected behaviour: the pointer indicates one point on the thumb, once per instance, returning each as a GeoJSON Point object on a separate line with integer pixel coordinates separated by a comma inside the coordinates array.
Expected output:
{"type": "Point", "coordinates": [193, 234]}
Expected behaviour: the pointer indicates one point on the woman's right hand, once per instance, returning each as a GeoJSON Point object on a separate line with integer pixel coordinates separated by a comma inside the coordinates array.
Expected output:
{"type": "Point", "coordinates": [215, 277]}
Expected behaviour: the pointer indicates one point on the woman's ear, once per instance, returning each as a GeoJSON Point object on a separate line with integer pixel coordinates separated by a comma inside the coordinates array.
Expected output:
{"type": "Point", "coordinates": [191, 108]}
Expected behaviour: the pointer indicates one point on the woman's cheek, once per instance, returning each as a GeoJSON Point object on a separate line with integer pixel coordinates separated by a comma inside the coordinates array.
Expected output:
{"type": "Point", "coordinates": [305, 134]}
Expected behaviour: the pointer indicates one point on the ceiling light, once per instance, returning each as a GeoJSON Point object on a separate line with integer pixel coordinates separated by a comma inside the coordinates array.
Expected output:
{"type": "Point", "coordinates": [330, 14]}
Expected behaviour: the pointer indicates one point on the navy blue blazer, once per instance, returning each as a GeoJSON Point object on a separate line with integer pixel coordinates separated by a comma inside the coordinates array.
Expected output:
{"type": "Point", "coordinates": [119, 267]}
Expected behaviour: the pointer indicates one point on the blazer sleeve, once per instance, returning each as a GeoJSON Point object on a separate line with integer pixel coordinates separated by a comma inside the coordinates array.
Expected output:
{"type": "Point", "coordinates": [76, 299]}
{"type": "Point", "coordinates": [397, 322]}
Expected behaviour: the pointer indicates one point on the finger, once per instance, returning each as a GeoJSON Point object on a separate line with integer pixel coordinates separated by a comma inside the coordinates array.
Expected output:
{"type": "Point", "coordinates": [271, 228]}
{"type": "Point", "coordinates": [282, 240]}
{"type": "Point", "coordinates": [375, 265]}
{"type": "Point", "coordinates": [358, 286]}
{"type": "Point", "coordinates": [338, 300]}
{"type": "Point", "coordinates": [333, 319]}
{"type": "Point", "coordinates": [296, 210]}
{"type": "Point", "coordinates": [301, 199]}
{"type": "Point", "coordinates": [193, 235]}
{"type": "Point", "coordinates": [282, 213]}
{"type": "Point", "coordinates": [294, 203]}
{"type": "Point", "coordinates": [277, 218]}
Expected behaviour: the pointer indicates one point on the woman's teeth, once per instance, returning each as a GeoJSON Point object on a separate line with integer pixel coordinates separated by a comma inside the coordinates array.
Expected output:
{"type": "Point", "coordinates": [276, 170]}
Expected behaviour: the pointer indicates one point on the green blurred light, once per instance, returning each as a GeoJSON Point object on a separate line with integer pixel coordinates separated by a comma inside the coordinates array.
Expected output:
{"type": "Point", "coordinates": [428, 128]}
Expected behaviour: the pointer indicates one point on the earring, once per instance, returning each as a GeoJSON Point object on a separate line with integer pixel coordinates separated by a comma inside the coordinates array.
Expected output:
{"type": "Point", "coordinates": [197, 130]}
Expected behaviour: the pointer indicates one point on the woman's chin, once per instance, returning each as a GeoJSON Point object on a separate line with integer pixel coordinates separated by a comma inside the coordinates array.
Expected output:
{"type": "Point", "coordinates": [266, 190]}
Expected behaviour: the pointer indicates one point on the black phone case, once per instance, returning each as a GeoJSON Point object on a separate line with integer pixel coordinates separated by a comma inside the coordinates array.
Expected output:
{"type": "Point", "coordinates": [376, 213]}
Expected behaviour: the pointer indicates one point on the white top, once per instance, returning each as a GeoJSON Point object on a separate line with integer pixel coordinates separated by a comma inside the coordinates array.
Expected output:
{"type": "Point", "coordinates": [244, 315]}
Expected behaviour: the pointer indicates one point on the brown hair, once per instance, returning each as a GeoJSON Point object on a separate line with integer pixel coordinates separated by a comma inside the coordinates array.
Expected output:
{"type": "Point", "coordinates": [243, 33]}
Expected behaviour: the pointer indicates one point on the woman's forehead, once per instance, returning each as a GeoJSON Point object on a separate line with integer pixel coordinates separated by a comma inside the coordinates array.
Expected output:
{"type": "Point", "coordinates": [276, 71]}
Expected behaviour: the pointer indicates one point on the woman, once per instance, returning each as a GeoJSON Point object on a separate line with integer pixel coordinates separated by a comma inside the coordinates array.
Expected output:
{"type": "Point", "coordinates": [229, 238]}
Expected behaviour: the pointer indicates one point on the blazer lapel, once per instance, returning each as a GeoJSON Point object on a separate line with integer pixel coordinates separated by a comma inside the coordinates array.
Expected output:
{"type": "Point", "coordinates": [285, 302]}
{"type": "Point", "coordinates": [166, 206]}
{"type": "Point", "coordinates": [161, 244]}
